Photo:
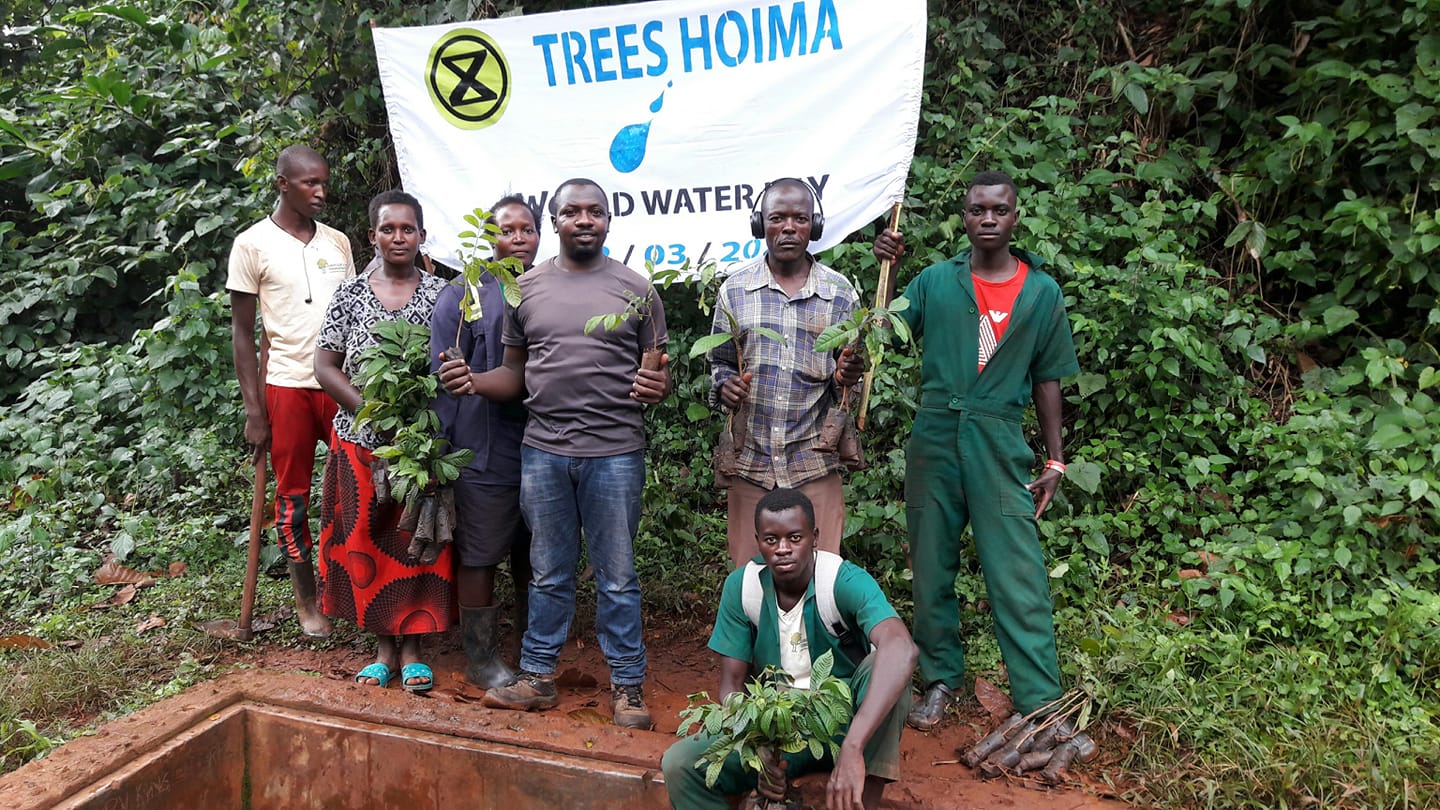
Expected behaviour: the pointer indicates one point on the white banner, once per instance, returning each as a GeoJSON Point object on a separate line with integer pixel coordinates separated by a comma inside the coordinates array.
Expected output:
{"type": "Point", "coordinates": [680, 110]}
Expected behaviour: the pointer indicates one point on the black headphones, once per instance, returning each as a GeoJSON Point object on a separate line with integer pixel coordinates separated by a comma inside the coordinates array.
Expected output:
{"type": "Point", "coordinates": [757, 219]}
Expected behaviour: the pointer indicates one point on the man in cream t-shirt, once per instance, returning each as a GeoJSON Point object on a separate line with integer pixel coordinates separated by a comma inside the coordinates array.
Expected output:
{"type": "Point", "coordinates": [291, 265]}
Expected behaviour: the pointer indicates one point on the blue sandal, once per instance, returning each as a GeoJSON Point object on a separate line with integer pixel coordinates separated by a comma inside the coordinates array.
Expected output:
{"type": "Point", "coordinates": [416, 670]}
{"type": "Point", "coordinates": [378, 671]}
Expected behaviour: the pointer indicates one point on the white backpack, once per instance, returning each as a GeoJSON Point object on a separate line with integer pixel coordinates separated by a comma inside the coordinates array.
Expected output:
{"type": "Point", "coordinates": [827, 569]}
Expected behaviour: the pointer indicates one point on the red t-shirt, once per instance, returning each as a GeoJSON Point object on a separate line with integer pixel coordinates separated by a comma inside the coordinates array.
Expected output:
{"type": "Point", "coordinates": [996, 299]}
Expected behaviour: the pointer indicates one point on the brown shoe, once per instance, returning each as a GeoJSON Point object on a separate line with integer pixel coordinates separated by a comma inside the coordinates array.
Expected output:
{"type": "Point", "coordinates": [529, 691]}
{"type": "Point", "coordinates": [627, 703]}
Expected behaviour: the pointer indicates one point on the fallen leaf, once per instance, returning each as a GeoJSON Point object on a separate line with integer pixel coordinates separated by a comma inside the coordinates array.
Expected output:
{"type": "Point", "coordinates": [575, 679]}
{"type": "Point", "coordinates": [1124, 732]}
{"type": "Point", "coordinates": [590, 716]}
{"type": "Point", "coordinates": [178, 569]}
{"type": "Point", "coordinates": [461, 685]}
{"type": "Point", "coordinates": [20, 641]}
{"type": "Point", "coordinates": [992, 699]}
{"type": "Point", "coordinates": [1305, 362]}
{"type": "Point", "coordinates": [1207, 558]}
{"type": "Point", "coordinates": [279, 614]}
{"type": "Point", "coordinates": [113, 573]}
{"type": "Point", "coordinates": [1302, 41]}
{"type": "Point", "coordinates": [448, 694]}
{"type": "Point", "coordinates": [1190, 573]}
{"type": "Point", "coordinates": [121, 597]}
{"type": "Point", "coordinates": [149, 624]}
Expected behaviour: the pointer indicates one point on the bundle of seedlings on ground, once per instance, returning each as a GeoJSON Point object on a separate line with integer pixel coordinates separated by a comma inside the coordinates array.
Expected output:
{"type": "Point", "coordinates": [1044, 741]}
{"type": "Point", "coordinates": [639, 308]}
{"type": "Point", "coordinates": [768, 718]}
{"type": "Point", "coordinates": [413, 466]}
{"type": "Point", "coordinates": [868, 330]}
{"type": "Point", "coordinates": [708, 278]}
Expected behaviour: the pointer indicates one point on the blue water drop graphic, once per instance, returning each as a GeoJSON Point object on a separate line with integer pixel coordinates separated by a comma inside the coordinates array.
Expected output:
{"type": "Point", "coordinates": [660, 100]}
{"type": "Point", "coordinates": [627, 149]}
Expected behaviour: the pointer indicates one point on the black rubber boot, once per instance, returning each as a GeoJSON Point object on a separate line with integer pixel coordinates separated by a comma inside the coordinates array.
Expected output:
{"type": "Point", "coordinates": [929, 710]}
{"type": "Point", "coordinates": [483, 665]}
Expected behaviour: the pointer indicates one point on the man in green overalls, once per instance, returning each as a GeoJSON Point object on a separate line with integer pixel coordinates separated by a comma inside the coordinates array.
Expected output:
{"type": "Point", "coordinates": [997, 337]}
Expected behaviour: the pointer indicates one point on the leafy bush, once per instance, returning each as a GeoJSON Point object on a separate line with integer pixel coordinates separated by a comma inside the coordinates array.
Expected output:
{"type": "Point", "coordinates": [1237, 197]}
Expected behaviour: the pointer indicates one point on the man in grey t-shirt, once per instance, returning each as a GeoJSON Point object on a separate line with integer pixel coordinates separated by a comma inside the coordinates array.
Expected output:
{"type": "Point", "coordinates": [582, 465]}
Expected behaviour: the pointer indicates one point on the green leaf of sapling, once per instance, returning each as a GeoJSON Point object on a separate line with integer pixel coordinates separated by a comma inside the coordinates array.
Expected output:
{"type": "Point", "coordinates": [703, 345]}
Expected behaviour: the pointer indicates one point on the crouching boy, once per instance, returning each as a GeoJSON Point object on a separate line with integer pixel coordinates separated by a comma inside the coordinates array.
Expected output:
{"type": "Point", "coordinates": [798, 590]}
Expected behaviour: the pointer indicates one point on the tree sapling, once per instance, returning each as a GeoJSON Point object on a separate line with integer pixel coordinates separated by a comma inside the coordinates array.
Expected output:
{"type": "Point", "coordinates": [770, 716]}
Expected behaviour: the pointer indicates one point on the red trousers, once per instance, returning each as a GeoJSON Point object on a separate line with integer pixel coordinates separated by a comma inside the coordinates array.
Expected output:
{"type": "Point", "coordinates": [299, 419]}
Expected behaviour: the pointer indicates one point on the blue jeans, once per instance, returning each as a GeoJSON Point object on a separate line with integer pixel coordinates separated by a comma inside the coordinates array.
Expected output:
{"type": "Point", "coordinates": [559, 496]}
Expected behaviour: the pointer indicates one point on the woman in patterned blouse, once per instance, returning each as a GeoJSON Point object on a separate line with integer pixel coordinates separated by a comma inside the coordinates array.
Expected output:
{"type": "Point", "coordinates": [367, 573]}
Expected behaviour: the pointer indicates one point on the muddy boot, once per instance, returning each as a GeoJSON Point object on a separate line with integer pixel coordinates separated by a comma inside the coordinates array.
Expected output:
{"type": "Point", "coordinates": [528, 691]}
{"type": "Point", "coordinates": [627, 704]}
{"type": "Point", "coordinates": [479, 633]}
{"type": "Point", "coordinates": [930, 709]}
{"type": "Point", "coordinates": [307, 610]}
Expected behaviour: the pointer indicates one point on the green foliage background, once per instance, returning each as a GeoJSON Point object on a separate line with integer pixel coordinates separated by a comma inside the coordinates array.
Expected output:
{"type": "Point", "coordinates": [1240, 200]}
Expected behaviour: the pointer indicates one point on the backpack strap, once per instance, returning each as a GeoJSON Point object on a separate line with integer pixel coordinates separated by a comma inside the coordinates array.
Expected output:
{"type": "Point", "coordinates": [751, 593]}
{"type": "Point", "coordinates": [827, 569]}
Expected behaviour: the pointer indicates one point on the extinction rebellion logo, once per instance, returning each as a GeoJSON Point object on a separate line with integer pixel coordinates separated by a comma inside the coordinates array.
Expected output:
{"type": "Point", "coordinates": [468, 78]}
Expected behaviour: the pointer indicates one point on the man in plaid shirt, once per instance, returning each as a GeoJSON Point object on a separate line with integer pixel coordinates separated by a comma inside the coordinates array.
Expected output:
{"type": "Point", "coordinates": [781, 399]}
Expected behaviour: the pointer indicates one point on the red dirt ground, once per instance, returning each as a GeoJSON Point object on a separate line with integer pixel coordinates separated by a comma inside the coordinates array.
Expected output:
{"type": "Point", "coordinates": [679, 664]}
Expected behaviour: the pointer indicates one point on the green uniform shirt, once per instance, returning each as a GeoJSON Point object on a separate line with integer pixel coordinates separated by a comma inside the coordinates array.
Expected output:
{"type": "Point", "coordinates": [1037, 346]}
{"type": "Point", "coordinates": [858, 597]}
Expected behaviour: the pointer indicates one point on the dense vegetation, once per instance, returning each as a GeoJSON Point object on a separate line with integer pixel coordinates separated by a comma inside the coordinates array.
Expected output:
{"type": "Point", "coordinates": [1240, 201]}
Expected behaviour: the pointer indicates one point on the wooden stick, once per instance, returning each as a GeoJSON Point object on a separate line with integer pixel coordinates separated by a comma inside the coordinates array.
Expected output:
{"type": "Point", "coordinates": [883, 293]}
{"type": "Point", "coordinates": [245, 632]}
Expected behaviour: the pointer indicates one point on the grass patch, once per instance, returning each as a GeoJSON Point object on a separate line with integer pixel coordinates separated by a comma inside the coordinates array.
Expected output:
{"type": "Point", "coordinates": [53, 695]}
{"type": "Point", "coordinates": [1217, 719]}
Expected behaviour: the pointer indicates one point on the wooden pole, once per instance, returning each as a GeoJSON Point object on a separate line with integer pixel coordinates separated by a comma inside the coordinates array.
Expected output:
{"type": "Point", "coordinates": [883, 293]}
{"type": "Point", "coordinates": [252, 562]}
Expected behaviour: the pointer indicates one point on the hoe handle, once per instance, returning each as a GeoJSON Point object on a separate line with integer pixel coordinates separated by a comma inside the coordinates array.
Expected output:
{"type": "Point", "coordinates": [252, 563]}
{"type": "Point", "coordinates": [884, 291]}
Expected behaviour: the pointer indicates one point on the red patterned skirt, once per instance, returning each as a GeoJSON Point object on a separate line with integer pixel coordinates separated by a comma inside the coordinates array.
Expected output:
{"type": "Point", "coordinates": [366, 574]}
